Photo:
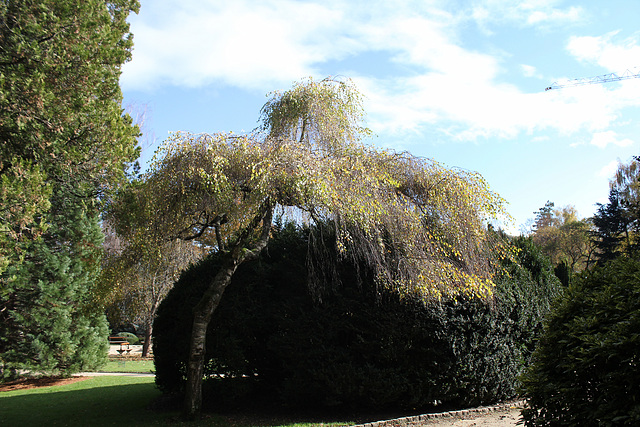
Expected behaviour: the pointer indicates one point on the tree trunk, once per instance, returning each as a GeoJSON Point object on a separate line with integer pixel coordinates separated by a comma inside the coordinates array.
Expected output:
{"type": "Point", "coordinates": [147, 340]}
{"type": "Point", "coordinates": [201, 317]}
{"type": "Point", "coordinates": [149, 332]}
{"type": "Point", "coordinates": [207, 305]}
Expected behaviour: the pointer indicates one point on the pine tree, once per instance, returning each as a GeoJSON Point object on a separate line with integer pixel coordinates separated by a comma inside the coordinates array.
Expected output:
{"type": "Point", "coordinates": [53, 326]}
{"type": "Point", "coordinates": [612, 234]}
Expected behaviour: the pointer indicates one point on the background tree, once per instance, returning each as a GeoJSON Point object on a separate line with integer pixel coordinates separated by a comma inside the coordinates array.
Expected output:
{"type": "Point", "coordinates": [611, 235]}
{"type": "Point", "coordinates": [627, 185]}
{"type": "Point", "coordinates": [419, 226]}
{"type": "Point", "coordinates": [65, 144]}
{"type": "Point", "coordinates": [137, 278]}
{"type": "Point", "coordinates": [544, 216]}
{"type": "Point", "coordinates": [564, 238]}
{"type": "Point", "coordinates": [617, 222]}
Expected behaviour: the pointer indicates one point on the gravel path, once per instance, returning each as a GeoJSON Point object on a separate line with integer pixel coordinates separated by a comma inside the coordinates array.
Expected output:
{"type": "Point", "coordinates": [502, 418]}
{"type": "Point", "coordinates": [505, 415]}
{"type": "Point", "coordinates": [135, 350]}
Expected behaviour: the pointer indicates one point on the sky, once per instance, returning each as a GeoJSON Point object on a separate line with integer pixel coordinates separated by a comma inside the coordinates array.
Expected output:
{"type": "Point", "coordinates": [460, 82]}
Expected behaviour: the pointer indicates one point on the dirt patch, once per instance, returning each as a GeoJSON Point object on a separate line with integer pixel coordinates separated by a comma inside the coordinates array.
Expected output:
{"type": "Point", "coordinates": [29, 383]}
{"type": "Point", "coordinates": [504, 418]}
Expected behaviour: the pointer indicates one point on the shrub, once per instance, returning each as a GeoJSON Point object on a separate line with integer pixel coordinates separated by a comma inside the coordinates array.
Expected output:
{"type": "Point", "coordinates": [131, 338]}
{"type": "Point", "coordinates": [48, 320]}
{"type": "Point", "coordinates": [356, 347]}
{"type": "Point", "coordinates": [585, 371]}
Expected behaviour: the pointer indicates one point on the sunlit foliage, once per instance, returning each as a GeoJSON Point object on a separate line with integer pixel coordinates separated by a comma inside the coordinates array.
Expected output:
{"type": "Point", "coordinates": [135, 279]}
{"type": "Point", "coordinates": [564, 238]}
{"type": "Point", "coordinates": [421, 224]}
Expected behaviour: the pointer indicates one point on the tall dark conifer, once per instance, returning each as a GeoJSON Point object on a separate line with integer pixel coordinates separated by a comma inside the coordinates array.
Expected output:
{"type": "Point", "coordinates": [64, 144]}
{"type": "Point", "coordinates": [611, 224]}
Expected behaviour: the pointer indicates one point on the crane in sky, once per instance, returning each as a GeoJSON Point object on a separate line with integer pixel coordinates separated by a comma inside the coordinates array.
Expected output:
{"type": "Point", "coordinates": [604, 78]}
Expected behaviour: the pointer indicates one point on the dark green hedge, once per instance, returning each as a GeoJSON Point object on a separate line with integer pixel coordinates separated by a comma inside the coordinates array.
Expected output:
{"type": "Point", "coordinates": [357, 347]}
{"type": "Point", "coordinates": [585, 372]}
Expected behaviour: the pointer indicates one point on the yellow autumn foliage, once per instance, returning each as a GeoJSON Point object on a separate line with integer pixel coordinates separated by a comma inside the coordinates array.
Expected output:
{"type": "Point", "coordinates": [420, 225]}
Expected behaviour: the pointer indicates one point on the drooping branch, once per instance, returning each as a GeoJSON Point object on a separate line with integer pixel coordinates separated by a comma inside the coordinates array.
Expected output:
{"type": "Point", "coordinates": [202, 226]}
{"type": "Point", "coordinates": [264, 215]}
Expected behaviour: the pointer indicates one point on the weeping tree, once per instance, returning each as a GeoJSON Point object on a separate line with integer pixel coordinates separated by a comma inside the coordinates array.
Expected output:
{"type": "Point", "coordinates": [419, 226]}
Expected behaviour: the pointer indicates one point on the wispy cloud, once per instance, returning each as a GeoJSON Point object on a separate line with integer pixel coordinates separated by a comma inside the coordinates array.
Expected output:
{"type": "Point", "coordinates": [530, 71]}
{"type": "Point", "coordinates": [539, 13]}
{"type": "Point", "coordinates": [452, 89]}
{"type": "Point", "coordinates": [245, 44]}
{"type": "Point", "coordinates": [603, 139]}
{"type": "Point", "coordinates": [608, 51]}
{"type": "Point", "coordinates": [571, 14]}
{"type": "Point", "coordinates": [609, 169]}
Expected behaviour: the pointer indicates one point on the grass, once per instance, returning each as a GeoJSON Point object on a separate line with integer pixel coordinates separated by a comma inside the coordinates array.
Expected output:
{"type": "Point", "coordinates": [101, 401]}
{"type": "Point", "coordinates": [98, 401]}
{"type": "Point", "coordinates": [115, 365]}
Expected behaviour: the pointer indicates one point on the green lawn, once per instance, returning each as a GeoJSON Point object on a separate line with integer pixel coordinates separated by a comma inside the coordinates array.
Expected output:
{"type": "Point", "coordinates": [98, 401]}
{"type": "Point", "coordinates": [144, 366]}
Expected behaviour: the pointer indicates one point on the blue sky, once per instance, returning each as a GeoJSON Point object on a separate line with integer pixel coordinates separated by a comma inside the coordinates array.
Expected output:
{"type": "Point", "coordinates": [461, 82]}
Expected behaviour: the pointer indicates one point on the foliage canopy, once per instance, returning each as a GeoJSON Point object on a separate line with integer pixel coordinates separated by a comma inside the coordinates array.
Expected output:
{"type": "Point", "coordinates": [61, 119]}
{"type": "Point", "coordinates": [421, 224]}
{"type": "Point", "coordinates": [567, 240]}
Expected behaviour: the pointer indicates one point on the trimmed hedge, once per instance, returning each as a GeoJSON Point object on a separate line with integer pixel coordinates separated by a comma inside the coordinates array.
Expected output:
{"type": "Point", "coordinates": [357, 347]}
{"type": "Point", "coordinates": [131, 338]}
{"type": "Point", "coordinates": [586, 371]}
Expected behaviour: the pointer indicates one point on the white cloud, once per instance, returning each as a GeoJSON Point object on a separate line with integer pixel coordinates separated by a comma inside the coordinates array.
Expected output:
{"type": "Point", "coordinates": [257, 44]}
{"type": "Point", "coordinates": [450, 88]}
{"type": "Point", "coordinates": [605, 51]}
{"type": "Point", "coordinates": [602, 139]}
{"type": "Point", "coordinates": [538, 13]}
{"type": "Point", "coordinates": [479, 106]}
{"type": "Point", "coordinates": [530, 71]}
{"type": "Point", "coordinates": [242, 43]}
{"type": "Point", "coordinates": [609, 169]}
{"type": "Point", "coordinates": [572, 14]}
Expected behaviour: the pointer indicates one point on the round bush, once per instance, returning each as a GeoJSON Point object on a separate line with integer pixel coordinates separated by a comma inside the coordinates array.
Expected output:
{"type": "Point", "coordinates": [357, 347]}
{"type": "Point", "coordinates": [131, 338]}
{"type": "Point", "coordinates": [585, 371]}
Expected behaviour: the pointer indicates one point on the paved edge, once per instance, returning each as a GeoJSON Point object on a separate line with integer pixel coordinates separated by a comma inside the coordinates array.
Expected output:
{"type": "Point", "coordinates": [424, 417]}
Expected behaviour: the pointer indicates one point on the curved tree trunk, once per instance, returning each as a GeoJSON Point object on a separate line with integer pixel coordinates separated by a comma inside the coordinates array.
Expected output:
{"type": "Point", "coordinates": [207, 305]}
{"type": "Point", "coordinates": [147, 340]}
{"type": "Point", "coordinates": [149, 331]}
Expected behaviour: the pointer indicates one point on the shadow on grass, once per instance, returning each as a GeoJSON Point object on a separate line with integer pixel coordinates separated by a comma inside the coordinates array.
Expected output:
{"type": "Point", "coordinates": [245, 402]}
{"type": "Point", "coordinates": [254, 412]}
{"type": "Point", "coordinates": [93, 402]}
{"type": "Point", "coordinates": [119, 401]}
{"type": "Point", "coordinates": [135, 401]}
